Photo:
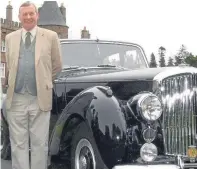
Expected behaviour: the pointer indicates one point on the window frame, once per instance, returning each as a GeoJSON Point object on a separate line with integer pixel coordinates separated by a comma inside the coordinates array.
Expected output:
{"type": "Point", "coordinates": [2, 67]}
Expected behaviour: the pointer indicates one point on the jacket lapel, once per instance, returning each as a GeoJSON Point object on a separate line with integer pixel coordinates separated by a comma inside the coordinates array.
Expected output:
{"type": "Point", "coordinates": [17, 45]}
{"type": "Point", "coordinates": [39, 43]}
{"type": "Point", "coordinates": [15, 50]}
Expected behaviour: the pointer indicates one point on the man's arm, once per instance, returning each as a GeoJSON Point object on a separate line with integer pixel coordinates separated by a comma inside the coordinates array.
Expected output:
{"type": "Point", "coordinates": [56, 56]}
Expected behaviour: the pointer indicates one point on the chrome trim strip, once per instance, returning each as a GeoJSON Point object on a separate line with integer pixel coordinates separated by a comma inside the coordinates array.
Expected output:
{"type": "Point", "coordinates": [174, 71]}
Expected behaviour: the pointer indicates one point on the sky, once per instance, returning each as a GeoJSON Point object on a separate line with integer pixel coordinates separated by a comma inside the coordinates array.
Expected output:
{"type": "Point", "coordinates": [149, 23]}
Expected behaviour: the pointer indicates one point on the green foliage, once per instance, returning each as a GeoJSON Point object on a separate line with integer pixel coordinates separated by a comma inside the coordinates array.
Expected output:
{"type": "Point", "coordinates": [170, 62]}
{"type": "Point", "coordinates": [162, 51]}
{"type": "Point", "coordinates": [182, 56]}
{"type": "Point", "coordinates": [178, 61]}
{"type": "Point", "coordinates": [153, 62]}
{"type": "Point", "coordinates": [191, 60]}
{"type": "Point", "coordinates": [162, 61]}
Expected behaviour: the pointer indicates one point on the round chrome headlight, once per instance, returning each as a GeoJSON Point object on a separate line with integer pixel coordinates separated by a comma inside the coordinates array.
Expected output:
{"type": "Point", "coordinates": [148, 152]}
{"type": "Point", "coordinates": [150, 107]}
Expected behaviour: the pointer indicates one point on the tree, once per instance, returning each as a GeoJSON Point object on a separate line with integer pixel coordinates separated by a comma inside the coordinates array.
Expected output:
{"type": "Point", "coordinates": [162, 51]}
{"type": "Point", "coordinates": [170, 62]}
{"type": "Point", "coordinates": [191, 60]}
{"type": "Point", "coordinates": [162, 62]}
{"type": "Point", "coordinates": [178, 60]}
{"type": "Point", "coordinates": [181, 55]}
{"type": "Point", "coordinates": [153, 62]}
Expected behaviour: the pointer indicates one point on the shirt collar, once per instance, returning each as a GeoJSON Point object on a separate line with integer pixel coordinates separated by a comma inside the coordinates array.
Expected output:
{"type": "Point", "coordinates": [33, 32]}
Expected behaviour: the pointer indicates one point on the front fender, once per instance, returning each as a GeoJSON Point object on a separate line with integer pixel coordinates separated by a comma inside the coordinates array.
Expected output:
{"type": "Point", "coordinates": [102, 112]}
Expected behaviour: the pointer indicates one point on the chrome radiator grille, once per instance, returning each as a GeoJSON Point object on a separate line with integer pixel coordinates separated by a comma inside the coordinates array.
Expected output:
{"type": "Point", "coordinates": [179, 96]}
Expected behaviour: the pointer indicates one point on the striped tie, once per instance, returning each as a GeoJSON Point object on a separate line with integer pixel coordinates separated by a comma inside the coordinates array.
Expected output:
{"type": "Point", "coordinates": [28, 39]}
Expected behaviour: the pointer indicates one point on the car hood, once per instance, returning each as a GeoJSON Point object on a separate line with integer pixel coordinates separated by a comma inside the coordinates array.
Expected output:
{"type": "Point", "coordinates": [118, 75]}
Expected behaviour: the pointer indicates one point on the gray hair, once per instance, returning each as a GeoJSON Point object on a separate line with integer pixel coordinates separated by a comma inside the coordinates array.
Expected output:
{"type": "Point", "coordinates": [28, 3]}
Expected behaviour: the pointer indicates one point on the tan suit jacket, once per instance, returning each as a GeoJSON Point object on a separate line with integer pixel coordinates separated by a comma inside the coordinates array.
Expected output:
{"type": "Point", "coordinates": [48, 62]}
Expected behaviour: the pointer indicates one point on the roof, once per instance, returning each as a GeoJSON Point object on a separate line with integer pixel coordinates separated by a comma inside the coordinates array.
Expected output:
{"type": "Point", "coordinates": [50, 14]}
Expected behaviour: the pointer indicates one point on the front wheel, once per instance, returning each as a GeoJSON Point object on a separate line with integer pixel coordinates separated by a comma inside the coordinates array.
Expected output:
{"type": "Point", "coordinates": [84, 153]}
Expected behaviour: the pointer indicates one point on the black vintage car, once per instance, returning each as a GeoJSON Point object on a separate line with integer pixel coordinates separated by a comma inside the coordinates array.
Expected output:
{"type": "Point", "coordinates": [110, 110]}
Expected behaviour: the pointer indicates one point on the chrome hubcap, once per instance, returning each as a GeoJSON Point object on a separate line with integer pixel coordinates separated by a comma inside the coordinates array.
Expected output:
{"type": "Point", "coordinates": [82, 162]}
{"type": "Point", "coordinates": [84, 155]}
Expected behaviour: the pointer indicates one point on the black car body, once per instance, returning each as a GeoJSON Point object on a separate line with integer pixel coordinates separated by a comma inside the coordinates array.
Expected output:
{"type": "Point", "coordinates": [110, 110]}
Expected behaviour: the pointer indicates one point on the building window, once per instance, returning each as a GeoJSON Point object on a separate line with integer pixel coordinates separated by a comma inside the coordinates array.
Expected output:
{"type": "Point", "coordinates": [59, 35]}
{"type": "Point", "coordinates": [2, 70]}
{"type": "Point", "coordinates": [3, 48]}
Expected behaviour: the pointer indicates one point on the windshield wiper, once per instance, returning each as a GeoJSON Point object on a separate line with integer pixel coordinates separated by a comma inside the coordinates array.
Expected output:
{"type": "Point", "coordinates": [106, 65]}
{"type": "Point", "coordinates": [112, 66]}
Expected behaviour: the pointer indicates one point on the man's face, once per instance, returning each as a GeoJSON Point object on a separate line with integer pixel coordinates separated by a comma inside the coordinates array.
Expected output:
{"type": "Point", "coordinates": [28, 17]}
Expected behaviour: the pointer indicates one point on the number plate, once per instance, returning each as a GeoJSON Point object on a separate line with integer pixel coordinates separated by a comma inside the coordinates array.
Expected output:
{"type": "Point", "coordinates": [192, 152]}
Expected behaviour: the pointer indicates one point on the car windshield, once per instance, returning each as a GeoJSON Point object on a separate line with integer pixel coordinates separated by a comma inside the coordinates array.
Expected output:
{"type": "Point", "coordinates": [92, 53]}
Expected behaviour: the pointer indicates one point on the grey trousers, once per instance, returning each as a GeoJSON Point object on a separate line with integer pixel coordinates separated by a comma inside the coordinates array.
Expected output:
{"type": "Point", "coordinates": [27, 121]}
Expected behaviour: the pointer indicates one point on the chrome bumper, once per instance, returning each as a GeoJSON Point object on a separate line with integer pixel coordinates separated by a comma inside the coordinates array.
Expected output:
{"type": "Point", "coordinates": [179, 164]}
{"type": "Point", "coordinates": [159, 166]}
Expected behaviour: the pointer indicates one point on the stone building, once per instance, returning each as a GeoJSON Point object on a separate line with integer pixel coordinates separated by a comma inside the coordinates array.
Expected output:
{"type": "Point", "coordinates": [51, 16]}
{"type": "Point", "coordinates": [7, 26]}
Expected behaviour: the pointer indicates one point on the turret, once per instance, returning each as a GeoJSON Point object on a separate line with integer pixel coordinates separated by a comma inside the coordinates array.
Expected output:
{"type": "Point", "coordinates": [9, 12]}
{"type": "Point", "coordinates": [63, 11]}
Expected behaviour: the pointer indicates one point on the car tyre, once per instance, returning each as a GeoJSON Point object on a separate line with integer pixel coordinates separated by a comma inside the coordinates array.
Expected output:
{"type": "Point", "coordinates": [84, 153]}
{"type": "Point", "coordinates": [5, 142]}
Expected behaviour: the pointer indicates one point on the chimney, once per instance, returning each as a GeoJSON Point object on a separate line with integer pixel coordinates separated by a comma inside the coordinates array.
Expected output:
{"type": "Point", "coordinates": [85, 34]}
{"type": "Point", "coordinates": [9, 12]}
{"type": "Point", "coordinates": [63, 11]}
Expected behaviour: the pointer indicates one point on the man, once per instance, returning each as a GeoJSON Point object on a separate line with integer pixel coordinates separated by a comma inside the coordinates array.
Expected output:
{"type": "Point", "coordinates": [33, 60]}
